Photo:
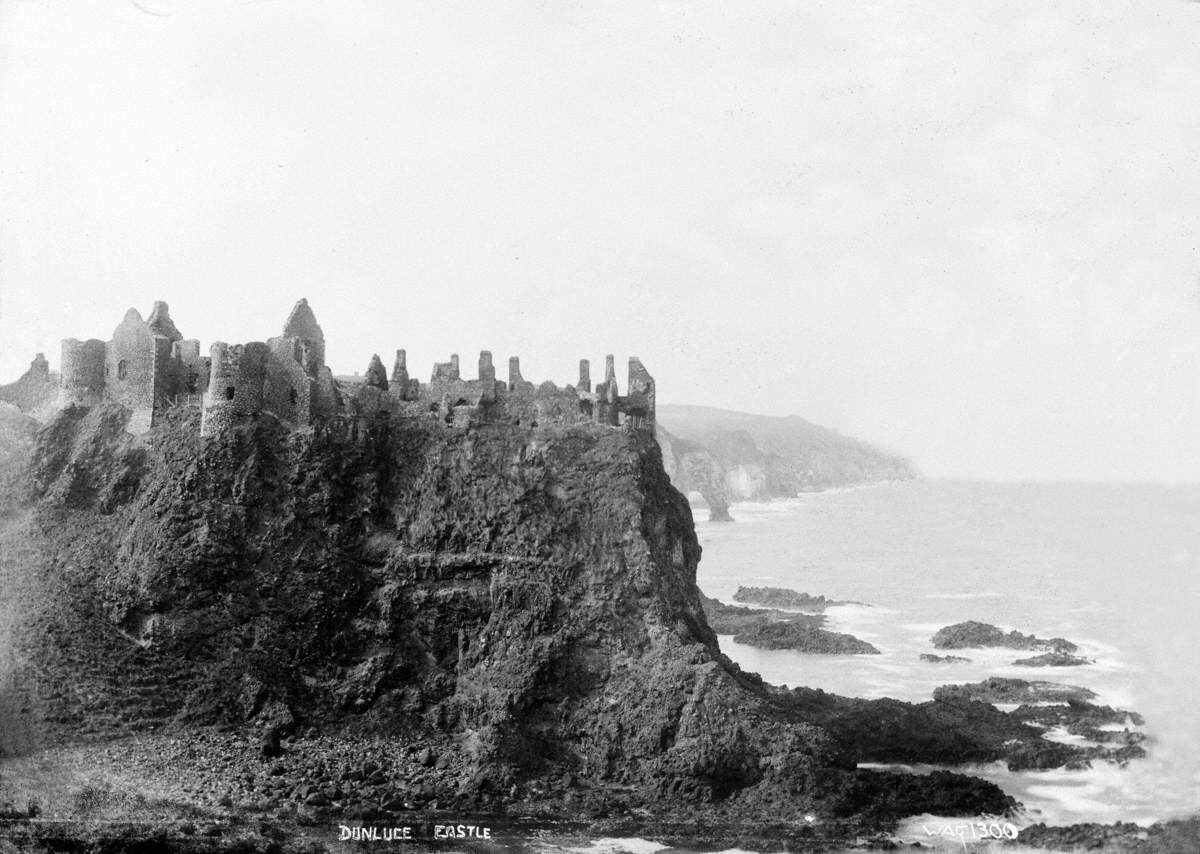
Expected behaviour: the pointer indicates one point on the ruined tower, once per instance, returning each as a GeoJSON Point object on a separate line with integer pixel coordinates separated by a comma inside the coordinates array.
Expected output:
{"type": "Point", "coordinates": [82, 372]}
{"type": "Point", "coordinates": [285, 377]}
{"type": "Point", "coordinates": [487, 376]}
{"type": "Point", "coordinates": [302, 326]}
{"type": "Point", "coordinates": [607, 397]}
{"type": "Point", "coordinates": [139, 371]}
{"type": "Point", "coordinates": [639, 398]}
{"type": "Point", "coordinates": [376, 374]}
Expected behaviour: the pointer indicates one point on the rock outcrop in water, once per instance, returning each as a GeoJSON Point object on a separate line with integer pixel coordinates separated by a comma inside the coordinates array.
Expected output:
{"type": "Point", "coordinates": [782, 597]}
{"type": "Point", "coordinates": [1053, 659]}
{"type": "Point", "coordinates": [975, 634]}
{"type": "Point", "coordinates": [1050, 704]}
{"type": "Point", "coordinates": [799, 635]}
{"type": "Point", "coordinates": [997, 689]}
{"type": "Point", "coordinates": [1179, 836]}
{"type": "Point", "coordinates": [773, 629]}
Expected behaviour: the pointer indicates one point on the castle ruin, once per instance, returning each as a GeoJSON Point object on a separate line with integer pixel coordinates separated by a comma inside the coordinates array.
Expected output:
{"type": "Point", "coordinates": [149, 367]}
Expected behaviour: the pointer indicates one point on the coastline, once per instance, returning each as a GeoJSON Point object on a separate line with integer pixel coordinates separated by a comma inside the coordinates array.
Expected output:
{"type": "Point", "coordinates": [1060, 797]}
{"type": "Point", "coordinates": [432, 781]}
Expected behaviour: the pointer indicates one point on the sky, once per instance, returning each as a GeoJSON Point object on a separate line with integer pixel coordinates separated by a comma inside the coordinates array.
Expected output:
{"type": "Point", "coordinates": [966, 232]}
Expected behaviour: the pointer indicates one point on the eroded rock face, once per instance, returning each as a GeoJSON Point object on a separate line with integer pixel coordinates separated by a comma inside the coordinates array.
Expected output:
{"type": "Point", "coordinates": [523, 597]}
{"type": "Point", "coordinates": [533, 591]}
{"type": "Point", "coordinates": [692, 468]}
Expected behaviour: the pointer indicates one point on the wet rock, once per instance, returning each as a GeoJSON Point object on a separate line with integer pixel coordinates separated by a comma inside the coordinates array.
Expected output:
{"type": "Point", "coordinates": [774, 629]}
{"type": "Point", "coordinates": [1175, 836]}
{"type": "Point", "coordinates": [802, 636]}
{"type": "Point", "coordinates": [785, 598]}
{"type": "Point", "coordinates": [998, 689]}
{"type": "Point", "coordinates": [975, 634]}
{"type": "Point", "coordinates": [943, 659]}
{"type": "Point", "coordinates": [1053, 659]}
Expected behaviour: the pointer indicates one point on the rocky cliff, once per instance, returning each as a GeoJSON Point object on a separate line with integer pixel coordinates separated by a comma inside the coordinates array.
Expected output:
{"type": "Point", "coordinates": [725, 456]}
{"type": "Point", "coordinates": [524, 598]}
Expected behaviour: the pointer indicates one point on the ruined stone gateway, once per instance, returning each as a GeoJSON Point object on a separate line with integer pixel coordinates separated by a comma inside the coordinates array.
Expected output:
{"type": "Point", "coordinates": [149, 367]}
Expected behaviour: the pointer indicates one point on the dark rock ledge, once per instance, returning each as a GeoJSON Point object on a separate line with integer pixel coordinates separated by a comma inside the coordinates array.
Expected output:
{"type": "Point", "coordinates": [773, 629]}
{"type": "Point", "coordinates": [785, 599]}
{"type": "Point", "coordinates": [975, 634]}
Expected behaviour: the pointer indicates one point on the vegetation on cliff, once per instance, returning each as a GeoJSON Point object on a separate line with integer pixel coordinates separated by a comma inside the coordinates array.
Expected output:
{"type": "Point", "coordinates": [782, 597]}
{"type": "Point", "coordinates": [773, 629]}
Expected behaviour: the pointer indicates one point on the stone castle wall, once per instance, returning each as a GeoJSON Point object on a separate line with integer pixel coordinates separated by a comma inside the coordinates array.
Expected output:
{"type": "Point", "coordinates": [131, 362]}
{"type": "Point", "coordinates": [148, 366]}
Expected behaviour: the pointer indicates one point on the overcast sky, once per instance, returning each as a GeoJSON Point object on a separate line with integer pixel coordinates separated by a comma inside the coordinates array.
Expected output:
{"type": "Point", "coordinates": [966, 231]}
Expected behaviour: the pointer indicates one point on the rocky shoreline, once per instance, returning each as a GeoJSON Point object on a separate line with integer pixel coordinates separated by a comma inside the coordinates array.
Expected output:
{"type": "Point", "coordinates": [269, 631]}
{"type": "Point", "coordinates": [771, 628]}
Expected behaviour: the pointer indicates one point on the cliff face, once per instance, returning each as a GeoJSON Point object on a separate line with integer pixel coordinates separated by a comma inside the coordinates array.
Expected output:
{"type": "Point", "coordinates": [734, 456]}
{"type": "Point", "coordinates": [693, 468]}
{"type": "Point", "coordinates": [529, 593]}
{"type": "Point", "coordinates": [34, 391]}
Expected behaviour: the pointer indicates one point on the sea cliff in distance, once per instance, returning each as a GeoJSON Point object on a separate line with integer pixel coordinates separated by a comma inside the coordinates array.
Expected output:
{"type": "Point", "coordinates": [724, 456]}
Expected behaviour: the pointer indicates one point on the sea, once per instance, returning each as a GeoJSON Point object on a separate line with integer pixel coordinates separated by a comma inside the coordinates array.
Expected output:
{"type": "Point", "coordinates": [1113, 567]}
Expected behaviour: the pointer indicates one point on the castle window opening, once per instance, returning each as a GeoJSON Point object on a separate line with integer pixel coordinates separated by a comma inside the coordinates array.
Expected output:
{"type": "Point", "coordinates": [122, 369]}
{"type": "Point", "coordinates": [293, 398]}
{"type": "Point", "coordinates": [229, 393]}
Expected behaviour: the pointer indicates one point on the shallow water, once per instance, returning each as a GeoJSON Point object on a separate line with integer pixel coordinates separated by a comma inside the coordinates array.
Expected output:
{"type": "Point", "coordinates": [1114, 568]}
